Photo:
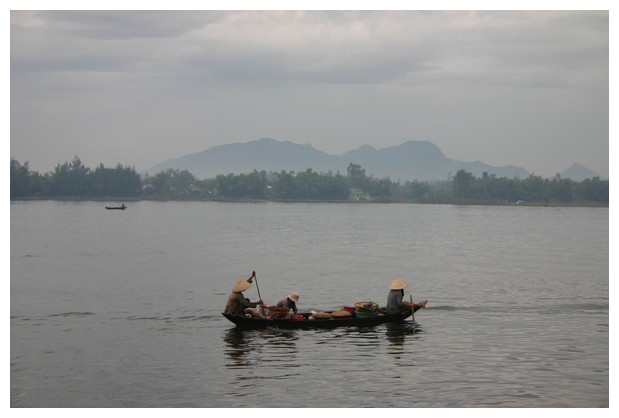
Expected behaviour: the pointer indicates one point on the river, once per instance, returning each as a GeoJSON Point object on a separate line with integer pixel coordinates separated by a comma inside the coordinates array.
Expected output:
{"type": "Point", "coordinates": [123, 308]}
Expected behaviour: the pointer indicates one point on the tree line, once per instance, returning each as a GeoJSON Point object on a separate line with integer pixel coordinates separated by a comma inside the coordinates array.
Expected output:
{"type": "Point", "coordinates": [74, 180]}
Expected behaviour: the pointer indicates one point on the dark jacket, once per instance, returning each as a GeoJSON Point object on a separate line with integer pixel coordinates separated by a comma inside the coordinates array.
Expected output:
{"type": "Point", "coordinates": [395, 303]}
{"type": "Point", "coordinates": [287, 303]}
{"type": "Point", "coordinates": [237, 303]}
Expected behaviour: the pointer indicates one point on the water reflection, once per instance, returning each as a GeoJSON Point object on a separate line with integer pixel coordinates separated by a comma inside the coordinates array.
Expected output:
{"type": "Point", "coordinates": [261, 354]}
{"type": "Point", "coordinates": [254, 356]}
{"type": "Point", "coordinates": [397, 335]}
{"type": "Point", "coordinates": [237, 347]}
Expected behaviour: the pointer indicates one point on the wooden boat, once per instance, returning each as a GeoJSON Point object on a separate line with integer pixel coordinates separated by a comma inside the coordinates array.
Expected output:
{"type": "Point", "coordinates": [333, 322]}
{"type": "Point", "coordinates": [121, 207]}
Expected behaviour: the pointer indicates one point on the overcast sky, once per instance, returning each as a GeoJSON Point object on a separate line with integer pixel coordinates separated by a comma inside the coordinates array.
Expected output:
{"type": "Point", "coordinates": [525, 88]}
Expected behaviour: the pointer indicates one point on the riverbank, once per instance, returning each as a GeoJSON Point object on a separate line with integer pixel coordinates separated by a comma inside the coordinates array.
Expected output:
{"type": "Point", "coordinates": [455, 202]}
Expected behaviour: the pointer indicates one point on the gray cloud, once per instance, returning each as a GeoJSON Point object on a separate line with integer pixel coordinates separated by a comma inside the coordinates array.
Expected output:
{"type": "Point", "coordinates": [113, 25]}
{"type": "Point", "coordinates": [169, 83]}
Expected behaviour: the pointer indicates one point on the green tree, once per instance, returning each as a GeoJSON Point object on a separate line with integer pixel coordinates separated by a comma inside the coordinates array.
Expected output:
{"type": "Point", "coordinates": [594, 190]}
{"type": "Point", "coordinates": [357, 177]}
{"type": "Point", "coordinates": [20, 179]}
{"type": "Point", "coordinates": [284, 185]}
{"type": "Point", "coordinates": [414, 190]}
{"type": "Point", "coordinates": [119, 181]}
{"type": "Point", "coordinates": [463, 184]}
{"type": "Point", "coordinates": [171, 183]}
{"type": "Point", "coordinates": [71, 179]}
{"type": "Point", "coordinates": [561, 189]}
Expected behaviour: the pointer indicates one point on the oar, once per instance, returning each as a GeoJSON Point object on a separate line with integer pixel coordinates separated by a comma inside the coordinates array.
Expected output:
{"type": "Point", "coordinates": [253, 275]}
{"type": "Point", "coordinates": [413, 312]}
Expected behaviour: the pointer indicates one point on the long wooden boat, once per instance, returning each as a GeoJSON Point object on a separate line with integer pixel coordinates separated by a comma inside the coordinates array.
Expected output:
{"type": "Point", "coordinates": [122, 207]}
{"type": "Point", "coordinates": [307, 323]}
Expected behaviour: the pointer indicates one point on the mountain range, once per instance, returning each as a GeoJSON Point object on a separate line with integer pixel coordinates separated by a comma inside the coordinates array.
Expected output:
{"type": "Point", "coordinates": [578, 172]}
{"type": "Point", "coordinates": [412, 160]}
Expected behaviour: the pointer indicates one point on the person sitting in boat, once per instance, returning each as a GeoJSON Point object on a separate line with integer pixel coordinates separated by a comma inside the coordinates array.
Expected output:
{"type": "Point", "coordinates": [238, 304]}
{"type": "Point", "coordinates": [395, 302]}
{"type": "Point", "coordinates": [289, 302]}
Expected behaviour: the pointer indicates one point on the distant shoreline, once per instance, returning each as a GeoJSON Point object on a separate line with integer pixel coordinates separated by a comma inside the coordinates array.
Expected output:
{"type": "Point", "coordinates": [362, 202]}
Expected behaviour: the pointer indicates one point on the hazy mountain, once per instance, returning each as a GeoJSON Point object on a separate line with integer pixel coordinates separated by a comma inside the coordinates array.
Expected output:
{"type": "Point", "coordinates": [412, 160]}
{"type": "Point", "coordinates": [420, 160]}
{"type": "Point", "coordinates": [578, 172]}
{"type": "Point", "coordinates": [262, 154]}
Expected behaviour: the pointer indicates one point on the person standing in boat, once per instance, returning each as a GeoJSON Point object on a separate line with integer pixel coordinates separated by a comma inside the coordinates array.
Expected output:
{"type": "Point", "coordinates": [395, 302]}
{"type": "Point", "coordinates": [289, 302]}
{"type": "Point", "coordinates": [238, 304]}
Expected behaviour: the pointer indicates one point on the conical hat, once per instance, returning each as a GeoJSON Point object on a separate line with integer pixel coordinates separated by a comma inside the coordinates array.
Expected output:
{"type": "Point", "coordinates": [397, 284]}
{"type": "Point", "coordinates": [241, 286]}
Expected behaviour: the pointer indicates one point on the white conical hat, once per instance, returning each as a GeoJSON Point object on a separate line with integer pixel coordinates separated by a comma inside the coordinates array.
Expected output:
{"type": "Point", "coordinates": [241, 286]}
{"type": "Point", "coordinates": [397, 284]}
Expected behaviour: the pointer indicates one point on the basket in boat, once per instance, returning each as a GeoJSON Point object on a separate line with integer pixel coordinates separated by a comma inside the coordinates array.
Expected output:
{"type": "Point", "coordinates": [366, 315]}
{"type": "Point", "coordinates": [366, 308]}
{"type": "Point", "coordinates": [277, 312]}
{"type": "Point", "coordinates": [341, 314]}
{"type": "Point", "coordinates": [278, 309]}
{"type": "Point", "coordinates": [322, 315]}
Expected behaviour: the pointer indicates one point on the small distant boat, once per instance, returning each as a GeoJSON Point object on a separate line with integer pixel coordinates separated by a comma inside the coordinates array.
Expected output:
{"type": "Point", "coordinates": [121, 207]}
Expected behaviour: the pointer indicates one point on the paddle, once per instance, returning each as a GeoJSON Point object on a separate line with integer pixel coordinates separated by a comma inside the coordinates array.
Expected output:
{"type": "Point", "coordinates": [413, 312]}
{"type": "Point", "coordinates": [253, 276]}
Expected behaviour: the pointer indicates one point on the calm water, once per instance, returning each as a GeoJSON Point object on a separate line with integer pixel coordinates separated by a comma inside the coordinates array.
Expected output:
{"type": "Point", "coordinates": [122, 308]}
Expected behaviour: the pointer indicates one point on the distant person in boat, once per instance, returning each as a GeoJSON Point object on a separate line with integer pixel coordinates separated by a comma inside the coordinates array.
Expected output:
{"type": "Point", "coordinates": [289, 302]}
{"type": "Point", "coordinates": [238, 304]}
{"type": "Point", "coordinates": [395, 302]}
